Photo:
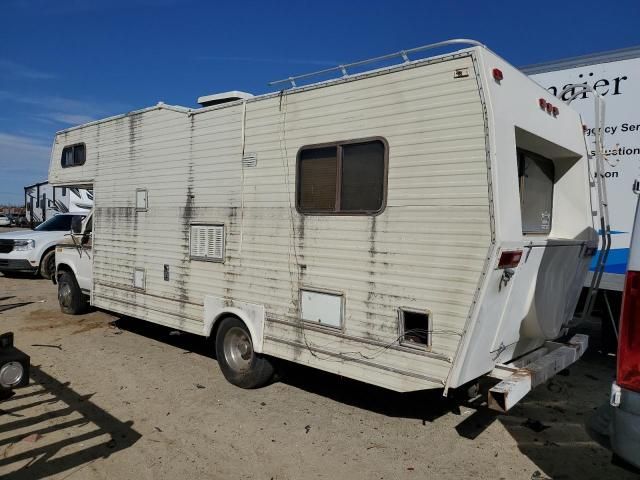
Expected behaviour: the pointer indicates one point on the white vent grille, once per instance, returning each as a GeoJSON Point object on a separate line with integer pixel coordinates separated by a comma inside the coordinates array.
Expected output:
{"type": "Point", "coordinates": [207, 242]}
{"type": "Point", "coordinates": [250, 160]}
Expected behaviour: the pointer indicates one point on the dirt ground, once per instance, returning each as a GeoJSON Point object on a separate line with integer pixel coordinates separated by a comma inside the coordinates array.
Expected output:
{"type": "Point", "coordinates": [117, 398]}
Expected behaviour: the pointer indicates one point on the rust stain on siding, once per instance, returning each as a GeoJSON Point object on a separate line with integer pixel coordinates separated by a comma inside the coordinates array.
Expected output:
{"type": "Point", "coordinates": [134, 123]}
{"type": "Point", "coordinates": [188, 212]}
{"type": "Point", "coordinates": [371, 285]}
{"type": "Point", "coordinates": [231, 272]}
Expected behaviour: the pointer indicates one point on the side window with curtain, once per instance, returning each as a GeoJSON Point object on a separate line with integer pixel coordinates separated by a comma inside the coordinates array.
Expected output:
{"type": "Point", "coordinates": [73, 155]}
{"type": "Point", "coordinates": [348, 178]}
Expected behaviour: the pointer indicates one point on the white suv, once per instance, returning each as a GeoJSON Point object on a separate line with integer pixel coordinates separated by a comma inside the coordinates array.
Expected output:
{"type": "Point", "coordinates": [34, 250]}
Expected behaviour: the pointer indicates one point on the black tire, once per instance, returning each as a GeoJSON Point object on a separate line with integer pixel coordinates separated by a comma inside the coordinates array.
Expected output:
{"type": "Point", "coordinates": [240, 365]}
{"type": "Point", "coordinates": [70, 297]}
{"type": "Point", "coordinates": [48, 265]}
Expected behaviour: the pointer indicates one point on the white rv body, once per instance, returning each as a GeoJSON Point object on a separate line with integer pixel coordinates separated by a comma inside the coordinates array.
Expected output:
{"type": "Point", "coordinates": [43, 200]}
{"type": "Point", "coordinates": [330, 291]}
{"type": "Point", "coordinates": [616, 76]}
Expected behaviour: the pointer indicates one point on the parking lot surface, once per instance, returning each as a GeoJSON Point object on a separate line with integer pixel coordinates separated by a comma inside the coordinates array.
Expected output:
{"type": "Point", "coordinates": [116, 397]}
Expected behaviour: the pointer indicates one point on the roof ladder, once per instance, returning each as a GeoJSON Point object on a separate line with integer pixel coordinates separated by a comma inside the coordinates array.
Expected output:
{"type": "Point", "coordinates": [603, 205]}
{"type": "Point", "coordinates": [403, 54]}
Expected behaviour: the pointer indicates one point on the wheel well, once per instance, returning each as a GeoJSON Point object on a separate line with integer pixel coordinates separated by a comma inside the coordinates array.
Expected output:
{"type": "Point", "coordinates": [251, 315]}
{"type": "Point", "coordinates": [218, 321]}
{"type": "Point", "coordinates": [63, 267]}
{"type": "Point", "coordinates": [44, 254]}
{"type": "Point", "coordinates": [41, 265]}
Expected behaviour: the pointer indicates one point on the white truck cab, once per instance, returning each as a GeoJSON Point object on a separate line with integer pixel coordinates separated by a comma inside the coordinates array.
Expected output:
{"type": "Point", "coordinates": [74, 267]}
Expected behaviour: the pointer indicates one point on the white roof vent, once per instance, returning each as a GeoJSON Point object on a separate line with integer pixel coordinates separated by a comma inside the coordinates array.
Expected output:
{"type": "Point", "coordinates": [218, 98]}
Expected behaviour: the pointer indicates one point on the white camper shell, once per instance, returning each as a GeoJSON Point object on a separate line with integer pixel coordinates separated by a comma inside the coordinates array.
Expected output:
{"type": "Point", "coordinates": [413, 227]}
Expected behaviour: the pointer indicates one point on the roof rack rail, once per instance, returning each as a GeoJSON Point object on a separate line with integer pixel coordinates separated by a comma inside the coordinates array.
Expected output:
{"type": "Point", "coordinates": [404, 54]}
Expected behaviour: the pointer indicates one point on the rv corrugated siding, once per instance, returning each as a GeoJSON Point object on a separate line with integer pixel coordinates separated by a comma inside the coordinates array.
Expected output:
{"type": "Point", "coordinates": [426, 250]}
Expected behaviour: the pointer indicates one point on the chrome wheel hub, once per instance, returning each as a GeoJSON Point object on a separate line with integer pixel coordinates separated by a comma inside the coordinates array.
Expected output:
{"type": "Point", "coordinates": [238, 350]}
{"type": "Point", "coordinates": [64, 294]}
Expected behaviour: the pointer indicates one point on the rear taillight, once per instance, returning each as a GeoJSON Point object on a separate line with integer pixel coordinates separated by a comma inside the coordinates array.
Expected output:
{"type": "Point", "coordinates": [629, 335]}
{"type": "Point", "coordinates": [510, 259]}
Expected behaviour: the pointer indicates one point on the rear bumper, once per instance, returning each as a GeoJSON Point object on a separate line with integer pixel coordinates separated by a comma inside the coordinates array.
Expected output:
{"type": "Point", "coordinates": [16, 265]}
{"type": "Point", "coordinates": [625, 425]}
{"type": "Point", "coordinates": [526, 373]}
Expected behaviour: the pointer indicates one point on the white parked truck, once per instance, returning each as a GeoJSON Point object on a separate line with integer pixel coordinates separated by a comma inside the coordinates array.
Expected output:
{"type": "Point", "coordinates": [415, 226]}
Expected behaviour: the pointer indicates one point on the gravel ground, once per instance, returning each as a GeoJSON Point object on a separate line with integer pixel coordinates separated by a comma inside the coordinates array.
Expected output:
{"type": "Point", "coordinates": [114, 397]}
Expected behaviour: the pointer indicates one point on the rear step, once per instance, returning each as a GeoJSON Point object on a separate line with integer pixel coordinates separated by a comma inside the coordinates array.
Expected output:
{"type": "Point", "coordinates": [526, 373]}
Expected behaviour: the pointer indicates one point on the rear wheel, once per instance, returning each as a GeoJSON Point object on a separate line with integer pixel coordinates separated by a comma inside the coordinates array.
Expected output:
{"type": "Point", "coordinates": [70, 297]}
{"type": "Point", "coordinates": [239, 363]}
{"type": "Point", "coordinates": [48, 265]}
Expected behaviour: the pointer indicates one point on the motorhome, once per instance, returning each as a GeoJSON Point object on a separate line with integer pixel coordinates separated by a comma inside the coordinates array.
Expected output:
{"type": "Point", "coordinates": [42, 201]}
{"type": "Point", "coordinates": [414, 226]}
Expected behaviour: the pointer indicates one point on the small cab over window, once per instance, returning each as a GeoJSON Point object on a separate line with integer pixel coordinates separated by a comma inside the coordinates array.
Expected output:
{"type": "Point", "coordinates": [73, 155]}
{"type": "Point", "coordinates": [536, 175]}
{"type": "Point", "coordinates": [348, 178]}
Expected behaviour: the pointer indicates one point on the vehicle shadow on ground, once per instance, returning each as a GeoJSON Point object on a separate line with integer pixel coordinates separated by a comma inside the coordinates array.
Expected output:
{"type": "Point", "coordinates": [549, 424]}
{"type": "Point", "coordinates": [550, 428]}
{"type": "Point", "coordinates": [11, 306]}
{"type": "Point", "coordinates": [20, 275]}
{"type": "Point", "coordinates": [47, 428]}
{"type": "Point", "coordinates": [188, 342]}
{"type": "Point", "coordinates": [426, 406]}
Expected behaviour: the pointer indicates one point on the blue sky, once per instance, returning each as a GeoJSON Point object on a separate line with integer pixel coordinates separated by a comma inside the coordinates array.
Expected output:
{"type": "Point", "coordinates": [66, 62]}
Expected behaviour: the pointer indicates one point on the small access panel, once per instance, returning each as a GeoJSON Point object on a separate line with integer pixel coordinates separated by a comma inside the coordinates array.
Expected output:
{"type": "Point", "coordinates": [321, 308]}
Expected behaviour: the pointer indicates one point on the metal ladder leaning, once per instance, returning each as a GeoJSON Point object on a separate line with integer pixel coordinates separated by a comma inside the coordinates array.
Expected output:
{"type": "Point", "coordinates": [603, 205]}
